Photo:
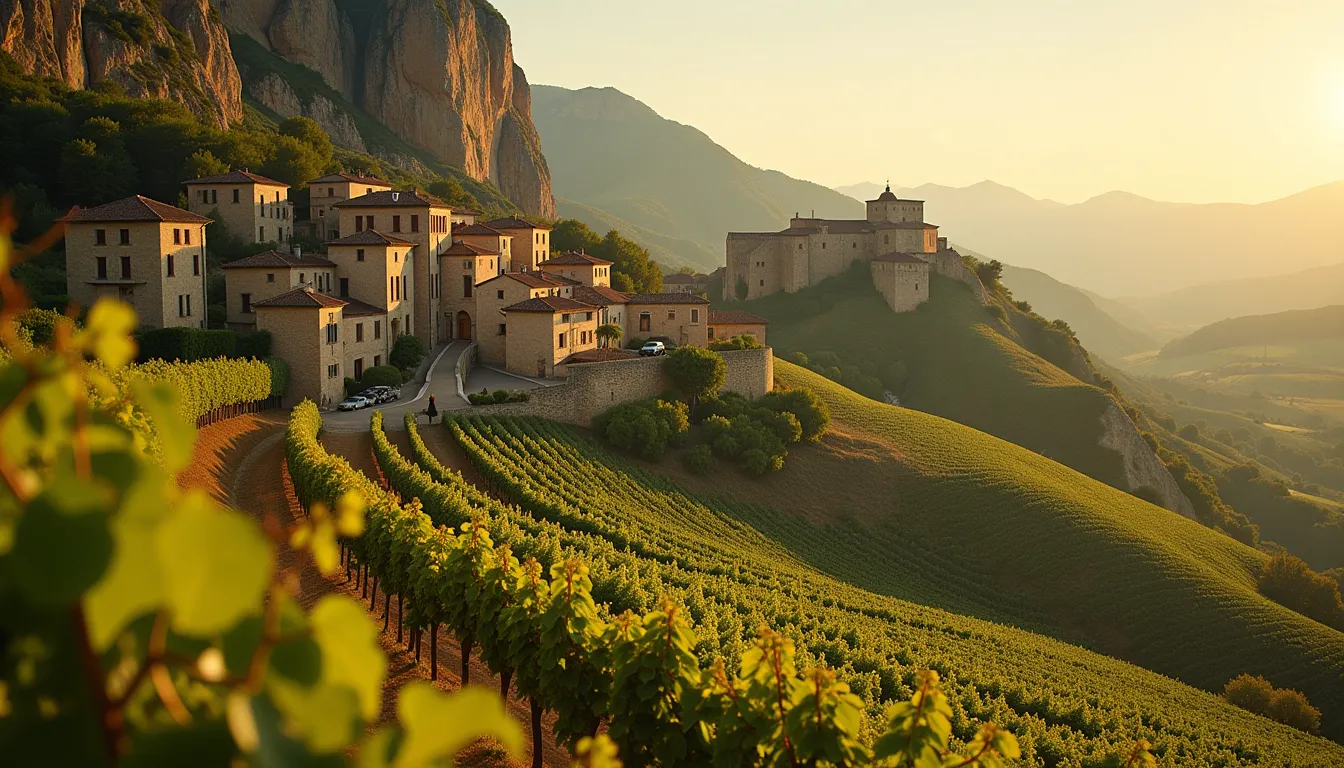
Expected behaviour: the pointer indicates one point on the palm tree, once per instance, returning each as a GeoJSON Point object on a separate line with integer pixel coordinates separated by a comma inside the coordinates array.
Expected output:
{"type": "Point", "coordinates": [607, 333]}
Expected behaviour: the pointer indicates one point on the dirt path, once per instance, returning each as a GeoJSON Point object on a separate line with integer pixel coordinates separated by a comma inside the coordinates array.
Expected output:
{"type": "Point", "coordinates": [242, 462]}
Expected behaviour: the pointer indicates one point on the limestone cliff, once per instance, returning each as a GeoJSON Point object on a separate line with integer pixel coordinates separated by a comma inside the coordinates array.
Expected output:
{"type": "Point", "coordinates": [1141, 466]}
{"type": "Point", "coordinates": [176, 49]}
{"type": "Point", "coordinates": [439, 74]}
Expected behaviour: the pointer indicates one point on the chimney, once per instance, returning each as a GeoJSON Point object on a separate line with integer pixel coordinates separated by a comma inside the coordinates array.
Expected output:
{"type": "Point", "coordinates": [396, 196]}
{"type": "Point", "coordinates": [942, 243]}
{"type": "Point", "coordinates": [298, 250]}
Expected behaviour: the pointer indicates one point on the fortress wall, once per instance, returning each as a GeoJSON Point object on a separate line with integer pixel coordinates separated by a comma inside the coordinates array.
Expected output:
{"type": "Point", "coordinates": [904, 286]}
{"type": "Point", "coordinates": [949, 264]}
{"type": "Point", "coordinates": [596, 387]}
{"type": "Point", "coordinates": [831, 254]}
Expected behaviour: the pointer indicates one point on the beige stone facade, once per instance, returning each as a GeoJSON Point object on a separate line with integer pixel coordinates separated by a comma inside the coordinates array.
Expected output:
{"type": "Point", "coordinates": [580, 267]}
{"type": "Point", "coordinates": [259, 277]}
{"type": "Point", "coordinates": [544, 331]}
{"type": "Point", "coordinates": [811, 250]}
{"type": "Point", "coordinates": [306, 332]}
{"type": "Point", "coordinates": [365, 340]}
{"type": "Point", "coordinates": [411, 216]}
{"type": "Point", "coordinates": [377, 269]}
{"type": "Point", "coordinates": [324, 193]}
{"type": "Point", "coordinates": [493, 295]}
{"type": "Point", "coordinates": [254, 208]}
{"type": "Point", "coordinates": [488, 239]}
{"type": "Point", "coordinates": [531, 242]}
{"type": "Point", "coordinates": [902, 279]}
{"type": "Point", "coordinates": [148, 254]}
{"type": "Point", "coordinates": [725, 324]}
{"type": "Point", "coordinates": [463, 267]}
{"type": "Point", "coordinates": [678, 316]}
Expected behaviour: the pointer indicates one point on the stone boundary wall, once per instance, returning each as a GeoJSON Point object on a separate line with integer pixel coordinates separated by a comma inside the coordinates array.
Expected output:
{"type": "Point", "coordinates": [465, 362]}
{"type": "Point", "coordinates": [596, 387]}
{"type": "Point", "coordinates": [949, 264]}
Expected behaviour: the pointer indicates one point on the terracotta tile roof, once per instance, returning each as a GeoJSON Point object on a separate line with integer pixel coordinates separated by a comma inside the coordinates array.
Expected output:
{"type": "Point", "coordinates": [600, 355]}
{"type": "Point", "coordinates": [599, 295]}
{"type": "Point", "coordinates": [533, 279]}
{"type": "Point", "coordinates": [392, 198]}
{"type": "Point", "coordinates": [573, 259]}
{"type": "Point", "coordinates": [515, 222]}
{"type": "Point", "coordinates": [833, 226]}
{"type": "Point", "coordinates": [477, 229]}
{"type": "Point", "coordinates": [301, 297]}
{"type": "Point", "coordinates": [237, 177]}
{"type": "Point", "coordinates": [339, 177]}
{"type": "Point", "coordinates": [901, 258]}
{"type": "Point", "coordinates": [460, 248]}
{"type": "Point", "coordinates": [550, 304]}
{"type": "Point", "coordinates": [735, 317]}
{"type": "Point", "coordinates": [357, 308]}
{"type": "Point", "coordinates": [136, 208]}
{"type": "Point", "coordinates": [668, 298]}
{"type": "Point", "coordinates": [276, 259]}
{"type": "Point", "coordinates": [370, 237]}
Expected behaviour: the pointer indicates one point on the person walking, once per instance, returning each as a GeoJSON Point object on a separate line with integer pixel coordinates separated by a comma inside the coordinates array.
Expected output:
{"type": "Point", "coordinates": [432, 410]}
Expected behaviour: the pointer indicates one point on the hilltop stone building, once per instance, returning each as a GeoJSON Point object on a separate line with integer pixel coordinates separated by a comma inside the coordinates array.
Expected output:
{"type": "Point", "coordinates": [254, 208]}
{"type": "Point", "coordinates": [148, 254]}
{"type": "Point", "coordinates": [902, 248]}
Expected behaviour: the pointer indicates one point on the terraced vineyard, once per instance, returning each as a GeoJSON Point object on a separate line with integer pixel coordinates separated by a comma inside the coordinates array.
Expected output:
{"type": "Point", "coordinates": [645, 539]}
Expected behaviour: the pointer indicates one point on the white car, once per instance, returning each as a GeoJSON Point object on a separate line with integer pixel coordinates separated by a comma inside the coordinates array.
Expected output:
{"type": "Point", "coordinates": [652, 349]}
{"type": "Point", "coordinates": [354, 403]}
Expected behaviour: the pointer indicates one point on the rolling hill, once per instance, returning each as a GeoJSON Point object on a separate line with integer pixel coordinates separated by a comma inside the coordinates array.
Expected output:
{"type": "Point", "coordinates": [610, 152]}
{"type": "Point", "coordinates": [1200, 305]}
{"type": "Point", "coordinates": [1098, 331]}
{"type": "Point", "coordinates": [1121, 244]}
{"type": "Point", "coordinates": [1280, 329]}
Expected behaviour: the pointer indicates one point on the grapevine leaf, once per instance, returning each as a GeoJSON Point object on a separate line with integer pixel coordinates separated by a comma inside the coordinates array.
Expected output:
{"type": "Point", "coordinates": [324, 717]}
{"type": "Point", "coordinates": [62, 544]}
{"type": "Point", "coordinates": [351, 655]}
{"type": "Point", "coordinates": [204, 744]}
{"type": "Point", "coordinates": [216, 566]}
{"type": "Point", "coordinates": [177, 435]}
{"type": "Point", "coordinates": [108, 331]}
{"type": "Point", "coordinates": [473, 712]}
{"type": "Point", "coordinates": [378, 750]}
{"type": "Point", "coordinates": [134, 583]}
{"type": "Point", "coordinates": [275, 748]}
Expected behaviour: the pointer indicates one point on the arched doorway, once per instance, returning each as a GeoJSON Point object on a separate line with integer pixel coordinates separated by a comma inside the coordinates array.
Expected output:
{"type": "Point", "coordinates": [463, 325]}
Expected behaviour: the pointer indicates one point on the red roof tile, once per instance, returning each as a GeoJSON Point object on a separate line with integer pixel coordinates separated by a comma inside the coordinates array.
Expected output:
{"type": "Point", "coordinates": [533, 279]}
{"type": "Point", "coordinates": [274, 259]}
{"type": "Point", "coordinates": [599, 295]}
{"type": "Point", "coordinates": [303, 298]}
{"type": "Point", "coordinates": [477, 229]}
{"type": "Point", "coordinates": [460, 248]}
{"type": "Point", "coordinates": [573, 259]}
{"type": "Point", "coordinates": [668, 298]}
{"type": "Point", "coordinates": [735, 317]}
{"type": "Point", "coordinates": [550, 304]}
{"type": "Point", "coordinates": [350, 177]}
{"type": "Point", "coordinates": [237, 177]}
{"type": "Point", "coordinates": [370, 237]}
{"type": "Point", "coordinates": [136, 208]}
{"type": "Point", "coordinates": [392, 198]}
{"type": "Point", "coordinates": [515, 222]}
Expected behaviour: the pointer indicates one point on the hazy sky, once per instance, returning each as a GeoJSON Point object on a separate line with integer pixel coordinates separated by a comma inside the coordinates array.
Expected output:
{"type": "Point", "coordinates": [1185, 100]}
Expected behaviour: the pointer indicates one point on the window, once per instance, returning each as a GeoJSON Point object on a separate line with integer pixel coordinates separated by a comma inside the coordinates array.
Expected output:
{"type": "Point", "coordinates": [102, 267]}
{"type": "Point", "coordinates": [170, 265]}
{"type": "Point", "coordinates": [301, 276]}
{"type": "Point", "coordinates": [560, 341]}
{"type": "Point", "coordinates": [125, 267]}
{"type": "Point", "coordinates": [345, 287]}
{"type": "Point", "coordinates": [671, 314]}
{"type": "Point", "coordinates": [695, 315]}
{"type": "Point", "coordinates": [396, 257]}
{"type": "Point", "coordinates": [261, 234]}
{"type": "Point", "coordinates": [359, 223]}
{"type": "Point", "coordinates": [466, 265]}
{"type": "Point", "coordinates": [644, 321]}
{"type": "Point", "coordinates": [359, 335]}
{"type": "Point", "coordinates": [396, 223]}
{"type": "Point", "coordinates": [247, 304]}
{"type": "Point", "coordinates": [886, 239]}
{"type": "Point", "coordinates": [854, 244]}
{"type": "Point", "coordinates": [333, 371]}
{"type": "Point", "coordinates": [235, 195]}
{"type": "Point", "coordinates": [188, 305]}
{"type": "Point", "coordinates": [368, 222]}
{"type": "Point", "coordinates": [359, 254]}
{"type": "Point", "coordinates": [711, 333]}
{"type": "Point", "coordinates": [823, 246]}
{"type": "Point", "coordinates": [181, 306]}
{"type": "Point", "coordinates": [270, 277]}
{"type": "Point", "coordinates": [359, 368]}
{"type": "Point", "coordinates": [762, 283]}
{"type": "Point", "coordinates": [501, 329]}
{"type": "Point", "coordinates": [377, 331]}
{"type": "Point", "coordinates": [177, 236]}
{"type": "Point", "coordinates": [587, 315]}
{"type": "Point", "coordinates": [333, 330]}
{"type": "Point", "coordinates": [415, 223]}
{"type": "Point", "coordinates": [499, 294]}
{"type": "Point", "coordinates": [377, 360]}
{"type": "Point", "coordinates": [186, 236]}
{"type": "Point", "coordinates": [391, 288]}
{"type": "Point", "coordinates": [331, 192]}
{"type": "Point", "coordinates": [100, 237]}
{"type": "Point", "coordinates": [125, 237]}
{"type": "Point", "coordinates": [466, 286]}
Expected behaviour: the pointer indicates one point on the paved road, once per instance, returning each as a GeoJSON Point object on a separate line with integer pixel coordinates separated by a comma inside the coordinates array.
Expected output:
{"type": "Point", "coordinates": [440, 381]}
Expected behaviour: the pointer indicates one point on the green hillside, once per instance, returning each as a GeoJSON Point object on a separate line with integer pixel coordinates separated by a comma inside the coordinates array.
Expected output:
{"type": "Point", "coordinates": [672, 251]}
{"type": "Point", "coordinates": [959, 360]}
{"type": "Point", "coordinates": [610, 152]}
{"type": "Point", "coordinates": [1278, 330]}
{"type": "Point", "coordinates": [840, 586]}
{"type": "Point", "coordinates": [1097, 329]}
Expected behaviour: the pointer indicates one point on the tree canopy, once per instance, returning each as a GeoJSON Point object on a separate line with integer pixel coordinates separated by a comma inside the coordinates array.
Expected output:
{"type": "Point", "coordinates": [632, 271]}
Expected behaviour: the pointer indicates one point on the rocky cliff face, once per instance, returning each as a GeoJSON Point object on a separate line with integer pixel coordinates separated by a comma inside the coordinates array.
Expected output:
{"type": "Point", "coordinates": [438, 73]}
{"type": "Point", "coordinates": [1142, 467]}
{"type": "Point", "coordinates": [175, 49]}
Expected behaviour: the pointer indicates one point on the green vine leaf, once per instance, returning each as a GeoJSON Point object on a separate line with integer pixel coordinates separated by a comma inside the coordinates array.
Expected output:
{"type": "Point", "coordinates": [351, 655]}
{"type": "Point", "coordinates": [474, 713]}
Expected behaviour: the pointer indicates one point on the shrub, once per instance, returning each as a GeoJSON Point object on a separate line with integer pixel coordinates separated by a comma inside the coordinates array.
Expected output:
{"type": "Point", "coordinates": [695, 371]}
{"type": "Point", "coordinates": [1255, 694]}
{"type": "Point", "coordinates": [700, 460]}
{"type": "Point", "coordinates": [279, 375]}
{"type": "Point", "coordinates": [1250, 692]}
{"type": "Point", "coordinates": [1190, 432]}
{"type": "Point", "coordinates": [783, 424]}
{"type": "Point", "coordinates": [382, 376]}
{"type": "Point", "coordinates": [351, 386]}
{"type": "Point", "coordinates": [40, 324]}
{"type": "Point", "coordinates": [743, 341]}
{"type": "Point", "coordinates": [485, 397]}
{"type": "Point", "coordinates": [254, 344]}
{"type": "Point", "coordinates": [1289, 581]}
{"type": "Point", "coordinates": [646, 428]}
{"type": "Point", "coordinates": [725, 404]}
{"type": "Point", "coordinates": [191, 344]}
{"type": "Point", "coordinates": [407, 352]}
{"type": "Point", "coordinates": [758, 462]}
{"type": "Point", "coordinates": [810, 411]}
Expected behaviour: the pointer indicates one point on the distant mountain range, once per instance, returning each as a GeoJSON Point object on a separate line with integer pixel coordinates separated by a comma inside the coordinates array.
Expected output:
{"type": "Point", "coordinates": [1125, 245]}
{"type": "Point", "coordinates": [1293, 327]}
{"type": "Point", "coordinates": [615, 162]}
{"type": "Point", "coordinates": [1099, 331]}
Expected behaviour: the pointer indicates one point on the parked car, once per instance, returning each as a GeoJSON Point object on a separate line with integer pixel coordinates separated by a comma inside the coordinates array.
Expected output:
{"type": "Point", "coordinates": [392, 394]}
{"type": "Point", "coordinates": [354, 403]}
{"type": "Point", "coordinates": [652, 349]}
{"type": "Point", "coordinates": [376, 395]}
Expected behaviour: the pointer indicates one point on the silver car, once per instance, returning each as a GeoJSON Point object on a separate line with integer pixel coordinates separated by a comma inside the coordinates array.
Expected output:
{"type": "Point", "coordinates": [354, 403]}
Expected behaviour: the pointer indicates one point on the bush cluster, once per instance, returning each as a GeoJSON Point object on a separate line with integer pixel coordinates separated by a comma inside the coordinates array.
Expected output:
{"type": "Point", "coordinates": [865, 376]}
{"type": "Point", "coordinates": [743, 341]}
{"type": "Point", "coordinates": [1289, 581]}
{"type": "Point", "coordinates": [191, 344]}
{"type": "Point", "coordinates": [1255, 694]}
{"type": "Point", "coordinates": [755, 436]}
{"type": "Point", "coordinates": [407, 352]}
{"type": "Point", "coordinates": [485, 397]}
{"type": "Point", "coordinates": [382, 376]}
{"type": "Point", "coordinates": [646, 427]}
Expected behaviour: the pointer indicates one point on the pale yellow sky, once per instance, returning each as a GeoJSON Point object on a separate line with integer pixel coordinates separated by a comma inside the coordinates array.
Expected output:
{"type": "Point", "coordinates": [1183, 100]}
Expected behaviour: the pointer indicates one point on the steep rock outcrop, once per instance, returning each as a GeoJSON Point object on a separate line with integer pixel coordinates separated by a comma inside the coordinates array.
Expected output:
{"type": "Point", "coordinates": [272, 91]}
{"type": "Point", "coordinates": [1141, 466]}
{"type": "Point", "coordinates": [176, 49]}
{"type": "Point", "coordinates": [440, 74]}
{"type": "Point", "coordinates": [317, 35]}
